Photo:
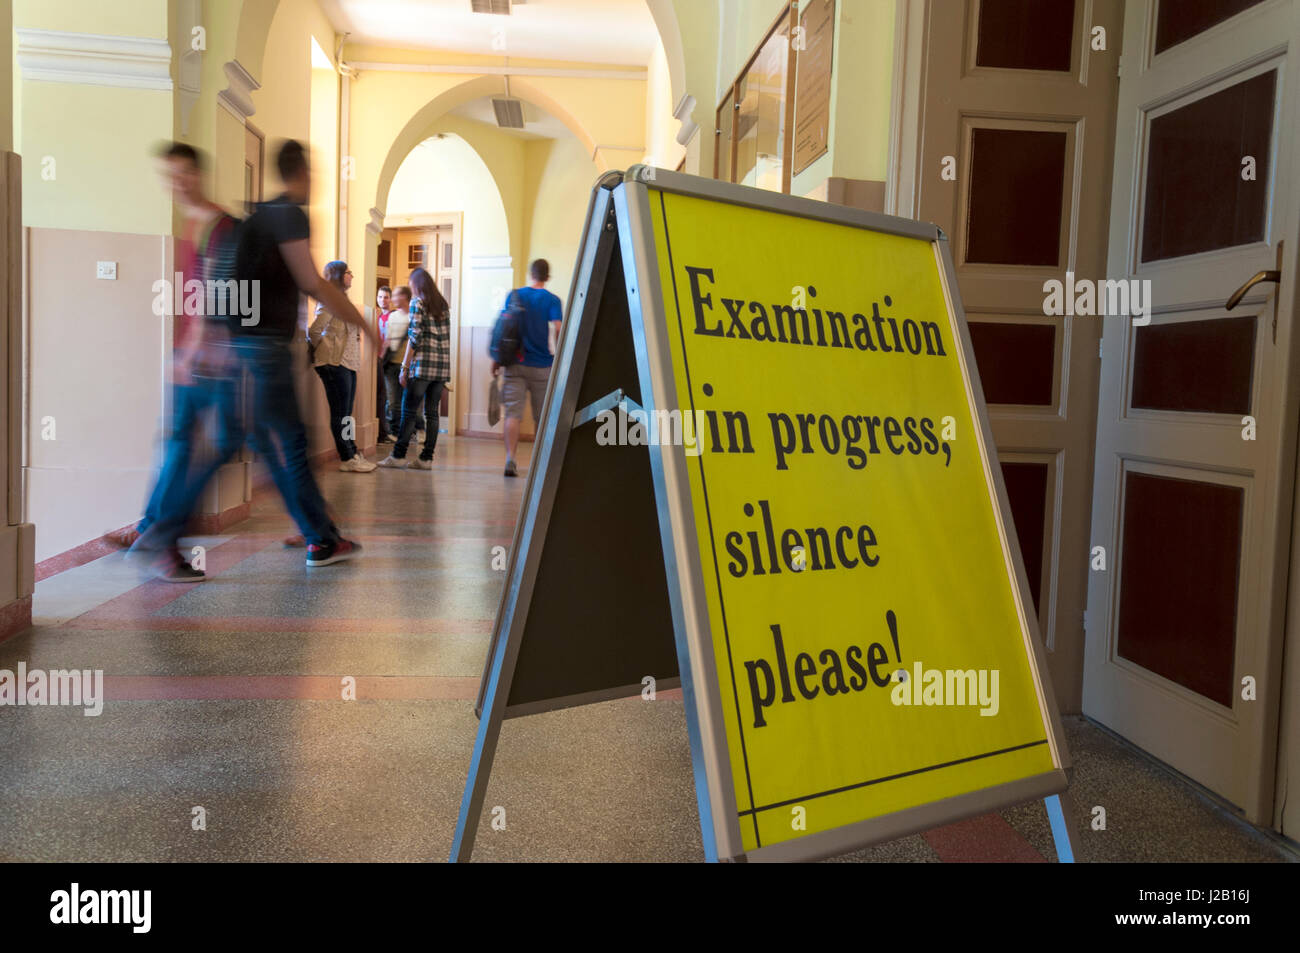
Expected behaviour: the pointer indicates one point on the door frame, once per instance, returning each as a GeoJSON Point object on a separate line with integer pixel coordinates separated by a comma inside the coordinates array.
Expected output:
{"type": "Point", "coordinates": [456, 221]}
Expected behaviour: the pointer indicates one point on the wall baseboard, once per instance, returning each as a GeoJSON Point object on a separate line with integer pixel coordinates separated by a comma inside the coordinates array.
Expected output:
{"type": "Point", "coordinates": [211, 524]}
{"type": "Point", "coordinates": [492, 435]}
{"type": "Point", "coordinates": [80, 555]}
{"type": "Point", "coordinates": [207, 524]}
{"type": "Point", "coordinates": [15, 617]}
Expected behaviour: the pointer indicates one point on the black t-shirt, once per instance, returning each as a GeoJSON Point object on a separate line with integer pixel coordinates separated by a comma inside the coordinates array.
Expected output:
{"type": "Point", "coordinates": [258, 259]}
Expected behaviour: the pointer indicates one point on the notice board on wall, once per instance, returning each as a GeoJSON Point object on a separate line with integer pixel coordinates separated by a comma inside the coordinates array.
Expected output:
{"type": "Point", "coordinates": [814, 43]}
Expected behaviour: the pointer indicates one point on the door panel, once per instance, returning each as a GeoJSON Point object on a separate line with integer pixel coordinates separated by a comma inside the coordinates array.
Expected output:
{"type": "Point", "coordinates": [1017, 127]}
{"type": "Point", "coordinates": [1196, 416]}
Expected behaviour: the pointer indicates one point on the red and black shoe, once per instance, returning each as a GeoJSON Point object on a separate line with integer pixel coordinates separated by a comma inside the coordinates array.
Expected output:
{"type": "Point", "coordinates": [171, 568]}
{"type": "Point", "coordinates": [124, 539]}
{"type": "Point", "coordinates": [323, 554]}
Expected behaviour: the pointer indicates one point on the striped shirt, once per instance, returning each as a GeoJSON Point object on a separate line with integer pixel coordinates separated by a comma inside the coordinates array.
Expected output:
{"type": "Point", "coordinates": [430, 339]}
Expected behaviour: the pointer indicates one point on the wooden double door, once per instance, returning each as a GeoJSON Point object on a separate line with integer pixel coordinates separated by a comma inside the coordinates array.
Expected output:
{"type": "Point", "coordinates": [1148, 444]}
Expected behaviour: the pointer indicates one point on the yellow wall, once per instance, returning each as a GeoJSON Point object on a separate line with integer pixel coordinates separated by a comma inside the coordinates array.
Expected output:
{"type": "Point", "coordinates": [324, 143]}
{"type": "Point", "coordinates": [100, 139]}
{"type": "Point", "coordinates": [697, 24]}
{"type": "Point", "coordinates": [662, 148]}
{"type": "Point", "coordinates": [560, 177]}
{"type": "Point", "coordinates": [14, 122]}
{"type": "Point", "coordinates": [284, 103]}
{"type": "Point", "coordinates": [862, 90]}
{"type": "Point", "coordinates": [103, 175]}
{"type": "Point", "coordinates": [133, 18]}
{"type": "Point", "coordinates": [6, 77]}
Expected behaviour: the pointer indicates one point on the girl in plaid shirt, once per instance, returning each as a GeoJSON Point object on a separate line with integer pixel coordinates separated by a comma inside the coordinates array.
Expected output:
{"type": "Point", "coordinates": [425, 370]}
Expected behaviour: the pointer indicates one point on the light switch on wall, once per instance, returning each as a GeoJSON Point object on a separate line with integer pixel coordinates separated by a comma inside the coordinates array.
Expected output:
{"type": "Point", "coordinates": [106, 270]}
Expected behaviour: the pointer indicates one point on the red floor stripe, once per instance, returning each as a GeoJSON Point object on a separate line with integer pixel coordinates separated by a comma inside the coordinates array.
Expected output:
{"type": "Point", "coordinates": [364, 537]}
{"type": "Point", "coordinates": [152, 595]}
{"type": "Point", "coordinates": [288, 687]}
{"type": "Point", "coordinates": [258, 623]}
{"type": "Point", "coordinates": [984, 839]}
{"type": "Point", "coordinates": [304, 687]}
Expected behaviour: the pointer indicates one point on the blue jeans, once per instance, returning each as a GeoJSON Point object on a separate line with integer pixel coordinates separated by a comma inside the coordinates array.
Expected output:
{"type": "Point", "coordinates": [416, 392]}
{"type": "Point", "coordinates": [340, 392]}
{"type": "Point", "coordinates": [176, 492]}
{"type": "Point", "coordinates": [394, 389]}
{"type": "Point", "coordinates": [393, 395]}
{"type": "Point", "coordinates": [278, 435]}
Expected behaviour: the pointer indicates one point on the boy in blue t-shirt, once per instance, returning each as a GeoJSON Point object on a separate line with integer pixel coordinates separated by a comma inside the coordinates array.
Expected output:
{"type": "Point", "coordinates": [542, 314]}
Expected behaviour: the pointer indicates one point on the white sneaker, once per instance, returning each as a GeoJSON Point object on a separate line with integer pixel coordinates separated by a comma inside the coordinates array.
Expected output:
{"type": "Point", "coordinates": [357, 464]}
{"type": "Point", "coordinates": [392, 461]}
{"type": "Point", "coordinates": [419, 463]}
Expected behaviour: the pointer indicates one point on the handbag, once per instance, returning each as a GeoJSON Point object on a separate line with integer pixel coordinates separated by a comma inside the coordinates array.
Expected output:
{"type": "Point", "coordinates": [494, 401]}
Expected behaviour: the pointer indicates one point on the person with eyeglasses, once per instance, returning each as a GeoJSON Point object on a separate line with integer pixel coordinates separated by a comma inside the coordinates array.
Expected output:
{"type": "Point", "coordinates": [336, 356]}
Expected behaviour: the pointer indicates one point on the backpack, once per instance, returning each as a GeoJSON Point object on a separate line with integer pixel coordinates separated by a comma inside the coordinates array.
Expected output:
{"type": "Point", "coordinates": [507, 344]}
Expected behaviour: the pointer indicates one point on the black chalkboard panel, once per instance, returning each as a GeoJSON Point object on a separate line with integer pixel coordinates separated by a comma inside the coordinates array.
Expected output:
{"type": "Point", "coordinates": [597, 617]}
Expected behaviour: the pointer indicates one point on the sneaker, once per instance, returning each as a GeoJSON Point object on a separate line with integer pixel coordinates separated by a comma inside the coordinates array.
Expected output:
{"type": "Point", "coordinates": [392, 461]}
{"type": "Point", "coordinates": [385, 438]}
{"type": "Point", "coordinates": [357, 464]}
{"type": "Point", "coordinates": [172, 568]}
{"type": "Point", "coordinates": [511, 469]}
{"type": "Point", "coordinates": [419, 463]}
{"type": "Point", "coordinates": [336, 552]}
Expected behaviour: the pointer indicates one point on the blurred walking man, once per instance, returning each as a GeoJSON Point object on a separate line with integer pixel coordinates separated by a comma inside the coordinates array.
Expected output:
{"type": "Point", "coordinates": [274, 250]}
{"type": "Point", "coordinates": [203, 368]}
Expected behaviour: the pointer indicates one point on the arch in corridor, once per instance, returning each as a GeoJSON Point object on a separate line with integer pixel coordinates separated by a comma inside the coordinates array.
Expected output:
{"type": "Point", "coordinates": [670, 35]}
{"type": "Point", "coordinates": [419, 125]}
{"type": "Point", "coordinates": [466, 133]}
{"type": "Point", "coordinates": [254, 27]}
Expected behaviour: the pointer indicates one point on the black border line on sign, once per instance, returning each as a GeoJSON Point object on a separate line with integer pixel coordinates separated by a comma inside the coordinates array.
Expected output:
{"type": "Point", "coordinates": [894, 777]}
{"type": "Point", "coordinates": [713, 546]}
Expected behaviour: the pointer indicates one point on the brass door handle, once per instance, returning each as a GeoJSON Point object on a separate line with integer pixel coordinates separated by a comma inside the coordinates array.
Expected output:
{"type": "Point", "coordinates": [1254, 280]}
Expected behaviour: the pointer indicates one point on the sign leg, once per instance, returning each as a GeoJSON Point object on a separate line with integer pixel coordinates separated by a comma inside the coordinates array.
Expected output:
{"type": "Point", "coordinates": [1066, 840]}
{"type": "Point", "coordinates": [480, 765]}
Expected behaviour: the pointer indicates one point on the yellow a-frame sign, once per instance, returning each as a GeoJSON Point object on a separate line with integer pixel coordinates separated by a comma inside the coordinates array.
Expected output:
{"type": "Point", "coordinates": [765, 452]}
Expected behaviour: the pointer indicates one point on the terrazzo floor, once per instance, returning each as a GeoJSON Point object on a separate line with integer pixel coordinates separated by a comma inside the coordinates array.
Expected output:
{"type": "Point", "coordinates": [226, 696]}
